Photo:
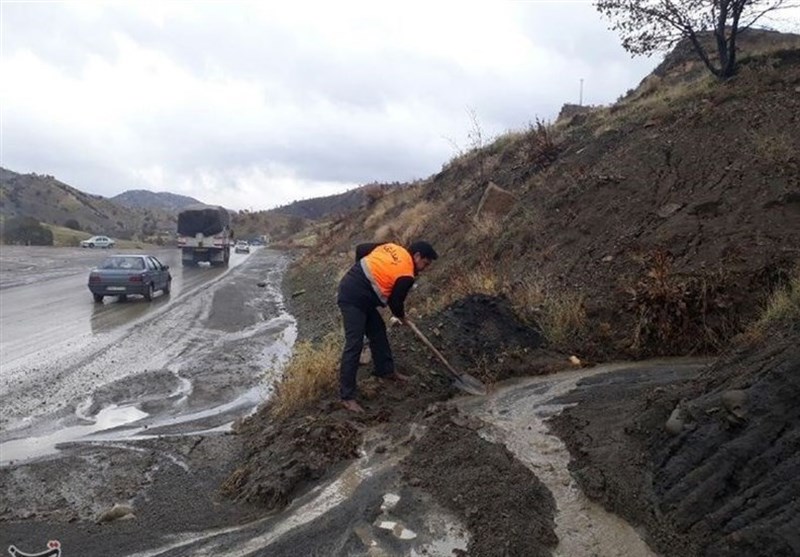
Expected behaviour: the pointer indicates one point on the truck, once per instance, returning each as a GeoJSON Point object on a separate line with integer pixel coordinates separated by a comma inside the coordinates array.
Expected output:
{"type": "Point", "coordinates": [204, 235]}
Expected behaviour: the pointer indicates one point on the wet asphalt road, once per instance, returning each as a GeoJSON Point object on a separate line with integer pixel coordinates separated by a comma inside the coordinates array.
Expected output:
{"type": "Point", "coordinates": [192, 360]}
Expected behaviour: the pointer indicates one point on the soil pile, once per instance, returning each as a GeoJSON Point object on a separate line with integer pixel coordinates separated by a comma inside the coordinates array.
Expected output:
{"type": "Point", "coordinates": [503, 502]}
{"type": "Point", "coordinates": [511, 513]}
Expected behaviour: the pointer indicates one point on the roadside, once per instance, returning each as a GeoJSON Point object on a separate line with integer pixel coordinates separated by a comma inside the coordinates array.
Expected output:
{"type": "Point", "coordinates": [184, 371]}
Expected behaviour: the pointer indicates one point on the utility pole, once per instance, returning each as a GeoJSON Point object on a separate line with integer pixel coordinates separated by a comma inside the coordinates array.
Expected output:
{"type": "Point", "coordinates": [580, 98]}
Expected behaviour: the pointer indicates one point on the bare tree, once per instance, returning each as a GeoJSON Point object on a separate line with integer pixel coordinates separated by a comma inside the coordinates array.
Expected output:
{"type": "Point", "coordinates": [650, 25]}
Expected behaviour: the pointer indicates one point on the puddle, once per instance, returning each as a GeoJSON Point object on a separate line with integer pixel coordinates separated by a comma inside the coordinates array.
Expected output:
{"type": "Point", "coordinates": [110, 417]}
{"type": "Point", "coordinates": [516, 415]}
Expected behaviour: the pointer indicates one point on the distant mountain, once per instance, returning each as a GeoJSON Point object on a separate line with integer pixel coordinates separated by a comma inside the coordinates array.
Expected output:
{"type": "Point", "coordinates": [50, 201]}
{"type": "Point", "coordinates": [145, 199]}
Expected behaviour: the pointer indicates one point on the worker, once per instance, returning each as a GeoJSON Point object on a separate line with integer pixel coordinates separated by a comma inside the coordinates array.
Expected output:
{"type": "Point", "coordinates": [382, 275]}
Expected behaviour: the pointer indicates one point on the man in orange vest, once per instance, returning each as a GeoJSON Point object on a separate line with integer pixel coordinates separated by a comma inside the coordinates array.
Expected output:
{"type": "Point", "coordinates": [383, 275]}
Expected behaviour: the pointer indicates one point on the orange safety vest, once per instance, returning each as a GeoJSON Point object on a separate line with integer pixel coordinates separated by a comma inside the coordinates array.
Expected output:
{"type": "Point", "coordinates": [384, 265]}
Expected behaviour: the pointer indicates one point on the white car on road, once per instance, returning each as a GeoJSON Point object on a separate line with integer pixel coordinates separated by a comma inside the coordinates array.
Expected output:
{"type": "Point", "coordinates": [98, 242]}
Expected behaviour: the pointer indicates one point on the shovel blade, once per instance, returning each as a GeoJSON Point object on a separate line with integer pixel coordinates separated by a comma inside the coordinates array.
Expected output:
{"type": "Point", "coordinates": [469, 384]}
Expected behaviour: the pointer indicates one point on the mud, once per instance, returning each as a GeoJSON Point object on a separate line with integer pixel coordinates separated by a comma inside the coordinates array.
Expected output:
{"type": "Point", "coordinates": [726, 483]}
{"type": "Point", "coordinates": [427, 470]}
{"type": "Point", "coordinates": [138, 414]}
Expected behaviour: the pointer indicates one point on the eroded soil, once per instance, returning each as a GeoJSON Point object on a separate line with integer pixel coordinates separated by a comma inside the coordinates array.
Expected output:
{"type": "Point", "coordinates": [726, 483]}
{"type": "Point", "coordinates": [506, 508]}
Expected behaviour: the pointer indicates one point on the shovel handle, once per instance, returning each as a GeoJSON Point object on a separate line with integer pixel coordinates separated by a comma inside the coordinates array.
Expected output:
{"type": "Point", "coordinates": [428, 343]}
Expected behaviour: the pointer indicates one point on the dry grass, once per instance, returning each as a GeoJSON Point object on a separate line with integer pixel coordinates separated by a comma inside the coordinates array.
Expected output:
{"type": "Point", "coordinates": [774, 148]}
{"type": "Point", "coordinates": [484, 227]}
{"type": "Point", "coordinates": [312, 371]}
{"type": "Point", "coordinates": [67, 237]}
{"type": "Point", "coordinates": [407, 226]}
{"type": "Point", "coordinates": [559, 314]}
{"type": "Point", "coordinates": [782, 306]}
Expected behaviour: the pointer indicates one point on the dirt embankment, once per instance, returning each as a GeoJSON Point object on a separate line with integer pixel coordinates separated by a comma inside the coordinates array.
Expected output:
{"type": "Point", "coordinates": [671, 216]}
{"type": "Point", "coordinates": [708, 466]}
{"type": "Point", "coordinates": [285, 456]}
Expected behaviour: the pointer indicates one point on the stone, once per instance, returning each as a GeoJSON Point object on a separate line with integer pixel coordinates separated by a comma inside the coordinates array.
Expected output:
{"type": "Point", "coordinates": [668, 209]}
{"type": "Point", "coordinates": [495, 202]}
{"type": "Point", "coordinates": [675, 422]}
{"type": "Point", "coordinates": [118, 511]}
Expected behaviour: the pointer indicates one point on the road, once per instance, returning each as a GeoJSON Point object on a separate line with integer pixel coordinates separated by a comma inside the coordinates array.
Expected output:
{"type": "Point", "coordinates": [194, 359]}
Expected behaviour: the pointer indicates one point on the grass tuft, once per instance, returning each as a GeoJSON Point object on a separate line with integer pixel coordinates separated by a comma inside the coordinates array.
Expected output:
{"type": "Point", "coordinates": [312, 371]}
{"type": "Point", "coordinates": [783, 306]}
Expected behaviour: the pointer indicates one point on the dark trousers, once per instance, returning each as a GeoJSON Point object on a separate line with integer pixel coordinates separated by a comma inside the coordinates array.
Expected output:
{"type": "Point", "coordinates": [359, 321]}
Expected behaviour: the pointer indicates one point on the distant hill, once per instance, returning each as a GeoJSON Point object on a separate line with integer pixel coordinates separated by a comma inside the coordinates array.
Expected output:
{"type": "Point", "coordinates": [331, 205]}
{"type": "Point", "coordinates": [51, 201]}
{"type": "Point", "coordinates": [306, 215]}
{"type": "Point", "coordinates": [145, 199]}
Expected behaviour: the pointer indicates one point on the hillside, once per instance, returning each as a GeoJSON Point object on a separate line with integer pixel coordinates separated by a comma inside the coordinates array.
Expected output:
{"type": "Point", "coordinates": [53, 202]}
{"type": "Point", "coordinates": [304, 219]}
{"type": "Point", "coordinates": [664, 247]}
{"type": "Point", "coordinates": [144, 199]}
{"type": "Point", "coordinates": [661, 225]}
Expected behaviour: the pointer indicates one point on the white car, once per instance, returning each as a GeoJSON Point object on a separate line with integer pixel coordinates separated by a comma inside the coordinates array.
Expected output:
{"type": "Point", "coordinates": [98, 242]}
{"type": "Point", "coordinates": [242, 247]}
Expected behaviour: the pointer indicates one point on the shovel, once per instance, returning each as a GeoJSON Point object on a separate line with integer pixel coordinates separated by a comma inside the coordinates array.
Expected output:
{"type": "Point", "coordinates": [463, 381]}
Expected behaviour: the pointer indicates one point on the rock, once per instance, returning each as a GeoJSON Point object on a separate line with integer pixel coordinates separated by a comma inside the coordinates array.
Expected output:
{"type": "Point", "coordinates": [495, 201]}
{"type": "Point", "coordinates": [667, 210]}
{"type": "Point", "coordinates": [574, 360]}
{"type": "Point", "coordinates": [365, 357]}
{"type": "Point", "coordinates": [261, 284]}
{"type": "Point", "coordinates": [735, 402]}
{"type": "Point", "coordinates": [676, 421]}
{"type": "Point", "coordinates": [116, 512]}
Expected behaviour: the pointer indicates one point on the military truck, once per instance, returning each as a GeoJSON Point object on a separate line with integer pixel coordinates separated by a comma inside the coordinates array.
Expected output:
{"type": "Point", "coordinates": [204, 235]}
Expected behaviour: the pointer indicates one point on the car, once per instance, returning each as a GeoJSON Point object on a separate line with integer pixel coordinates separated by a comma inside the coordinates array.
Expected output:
{"type": "Point", "coordinates": [242, 247]}
{"type": "Point", "coordinates": [98, 242]}
{"type": "Point", "coordinates": [123, 275]}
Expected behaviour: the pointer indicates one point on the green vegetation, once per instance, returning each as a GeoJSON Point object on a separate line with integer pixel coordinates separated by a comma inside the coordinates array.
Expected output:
{"type": "Point", "coordinates": [26, 231]}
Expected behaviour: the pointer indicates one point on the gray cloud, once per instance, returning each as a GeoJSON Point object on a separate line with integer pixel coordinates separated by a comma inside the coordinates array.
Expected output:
{"type": "Point", "coordinates": [226, 99]}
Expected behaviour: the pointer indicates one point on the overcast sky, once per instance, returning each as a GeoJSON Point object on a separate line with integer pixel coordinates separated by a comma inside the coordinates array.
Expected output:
{"type": "Point", "coordinates": [255, 105]}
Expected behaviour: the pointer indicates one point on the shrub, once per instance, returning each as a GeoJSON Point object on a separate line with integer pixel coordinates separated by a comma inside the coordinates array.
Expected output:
{"type": "Point", "coordinates": [26, 231]}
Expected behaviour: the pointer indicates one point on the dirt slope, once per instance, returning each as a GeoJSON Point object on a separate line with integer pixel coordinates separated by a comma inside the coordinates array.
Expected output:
{"type": "Point", "coordinates": [726, 483]}
{"type": "Point", "coordinates": [670, 217]}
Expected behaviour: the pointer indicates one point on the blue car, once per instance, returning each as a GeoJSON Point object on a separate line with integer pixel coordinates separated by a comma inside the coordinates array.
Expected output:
{"type": "Point", "coordinates": [123, 275]}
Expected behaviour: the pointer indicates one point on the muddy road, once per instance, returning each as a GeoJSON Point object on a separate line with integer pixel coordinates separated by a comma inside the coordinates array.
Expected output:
{"type": "Point", "coordinates": [73, 369]}
{"type": "Point", "coordinates": [128, 403]}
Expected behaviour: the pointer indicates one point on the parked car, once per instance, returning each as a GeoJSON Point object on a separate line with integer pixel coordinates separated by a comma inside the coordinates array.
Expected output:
{"type": "Point", "coordinates": [122, 275]}
{"type": "Point", "coordinates": [98, 242]}
{"type": "Point", "coordinates": [242, 247]}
